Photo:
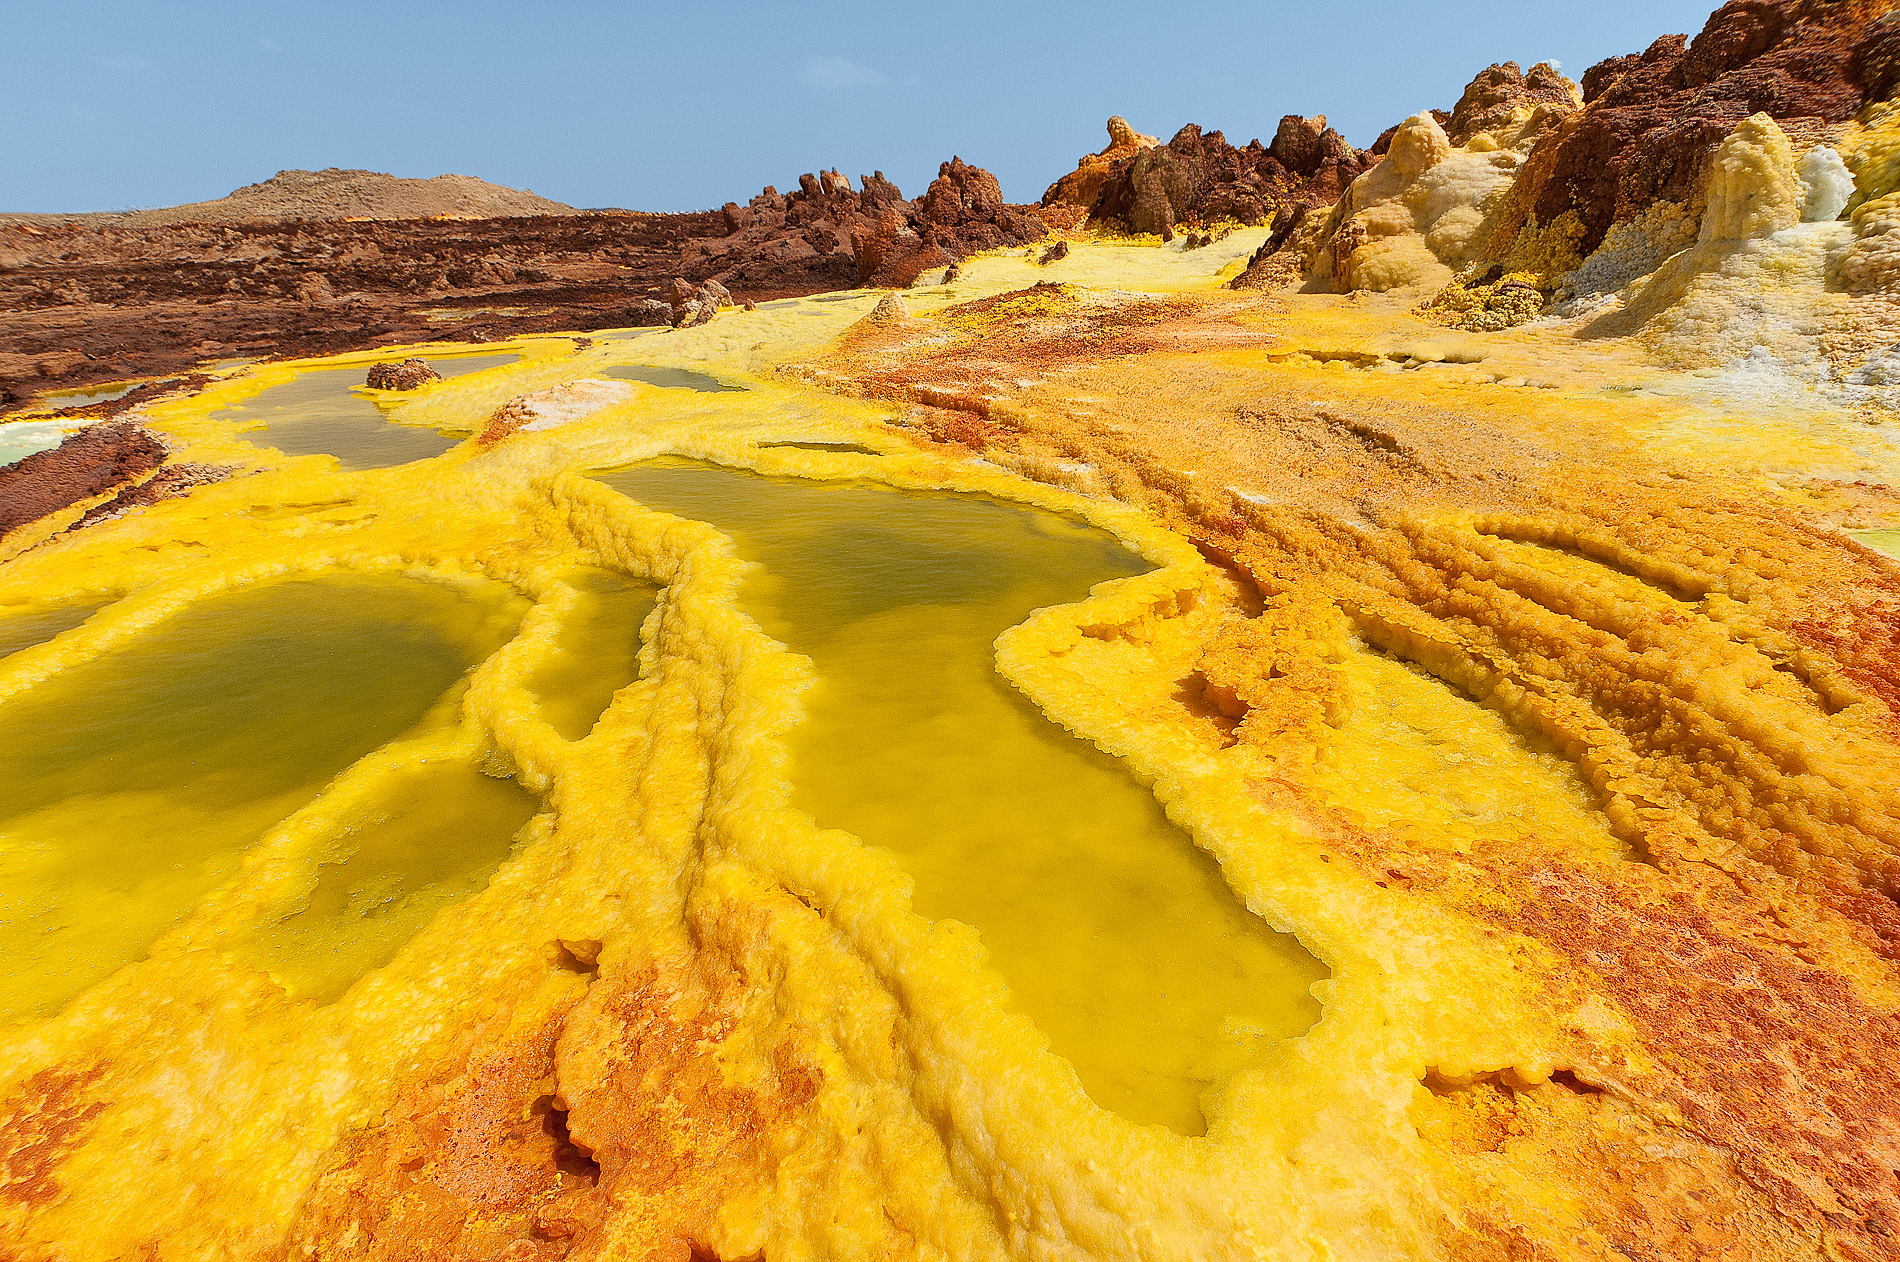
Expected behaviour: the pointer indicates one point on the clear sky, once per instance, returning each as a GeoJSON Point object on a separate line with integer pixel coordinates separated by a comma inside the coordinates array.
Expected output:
{"type": "Point", "coordinates": [681, 106]}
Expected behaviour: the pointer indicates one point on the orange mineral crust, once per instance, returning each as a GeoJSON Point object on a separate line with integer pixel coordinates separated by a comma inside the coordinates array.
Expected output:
{"type": "Point", "coordinates": [1716, 661]}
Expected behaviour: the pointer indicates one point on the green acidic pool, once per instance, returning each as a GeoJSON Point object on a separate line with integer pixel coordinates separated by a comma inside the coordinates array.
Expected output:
{"type": "Point", "coordinates": [1116, 934]}
{"type": "Point", "coordinates": [130, 785]}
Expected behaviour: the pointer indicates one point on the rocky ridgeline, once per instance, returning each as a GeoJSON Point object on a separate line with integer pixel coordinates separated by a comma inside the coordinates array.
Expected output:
{"type": "Point", "coordinates": [1199, 179]}
{"type": "Point", "coordinates": [828, 234]}
{"type": "Point", "coordinates": [1533, 189]}
{"type": "Point", "coordinates": [91, 300]}
{"type": "Point", "coordinates": [1529, 190]}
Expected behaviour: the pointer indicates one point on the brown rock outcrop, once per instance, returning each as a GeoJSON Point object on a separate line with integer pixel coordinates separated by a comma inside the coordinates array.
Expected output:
{"type": "Point", "coordinates": [694, 305]}
{"type": "Point", "coordinates": [83, 302]}
{"type": "Point", "coordinates": [829, 236]}
{"type": "Point", "coordinates": [1080, 187]}
{"type": "Point", "coordinates": [1494, 99]}
{"type": "Point", "coordinates": [799, 239]}
{"type": "Point", "coordinates": [1198, 178]}
{"type": "Point", "coordinates": [891, 253]}
{"type": "Point", "coordinates": [1652, 121]}
{"type": "Point", "coordinates": [408, 375]}
{"type": "Point", "coordinates": [89, 463]}
{"type": "Point", "coordinates": [962, 213]}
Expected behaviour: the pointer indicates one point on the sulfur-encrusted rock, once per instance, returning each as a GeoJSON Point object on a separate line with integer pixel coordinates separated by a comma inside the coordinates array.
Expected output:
{"type": "Point", "coordinates": [1390, 225]}
{"type": "Point", "coordinates": [1752, 187]}
{"type": "Point", "coordinates": [1415, 219]}
{"type": "Point", "coordinates": [1652, 121]}
{"type": "Point", "coordinates": [1872, 263]}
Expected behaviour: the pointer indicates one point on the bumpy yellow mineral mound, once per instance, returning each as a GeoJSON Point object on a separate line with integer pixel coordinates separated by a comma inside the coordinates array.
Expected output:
{"type": "Point", "coordinates": [1485, 740]}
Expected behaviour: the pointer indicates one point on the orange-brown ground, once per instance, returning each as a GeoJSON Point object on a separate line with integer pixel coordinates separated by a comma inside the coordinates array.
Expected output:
{"type": "Point", "coordinates": [1718, 660]}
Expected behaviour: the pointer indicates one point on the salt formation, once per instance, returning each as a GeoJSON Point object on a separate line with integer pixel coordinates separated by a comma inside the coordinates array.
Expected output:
{"type": "Point", "coordinates": [1416, 219]}
{"type": "Point", "coordinates": [1872, 263]}
{"type": "Point", "coordinates": [1826, 185]}
{"type": "Point", "coordinates": [408, 375]}
{"type": "Point", "coordinates": [1754, 287]}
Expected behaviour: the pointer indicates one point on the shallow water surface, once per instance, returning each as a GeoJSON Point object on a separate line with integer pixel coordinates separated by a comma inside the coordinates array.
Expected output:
{"type": "Point", "coordinates": [85, 398]}
{"type": "Point", "coordinates": [1115, 933]}
{"type": "Point", "coordinates": [130, 785]}
{"type": "Point", "coordinates": [597, 653]}
{"type": "Point", "coordinates": [424, 838]}
{"type": "Point", "coordinates": [320, 413]}
{"type": "Point", "coordinates": [1887, 541]}
{"type": "Point", "coordinates": [20, 439]}
{"type": "Point", "coordinates": [818, 444]}
{"type": "Point", "coordinates": [669, 378]}
{"type": "Point", "coordinates": [28, 625]}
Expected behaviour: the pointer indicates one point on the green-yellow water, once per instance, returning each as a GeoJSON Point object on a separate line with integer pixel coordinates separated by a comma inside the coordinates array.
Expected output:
{"type": "Point", "coordinates": [597, 653]}
{"type": "Point", "coordinates": [1114, 932]}
{"type": "Point", "coordinates": [1887, 541]}
{"type": "Point", "coordinates": [319, 413]}
{"type": "Point", "coordinates": [427, 836]}
{"type": "Point", "coordinates": [669, 378]}
{"type": "Point", "coordinates": [20, 439]}
{"type": "Point", "coordinates": [28, 625]}
{"type": "Point", "coordinates": [131, 784]}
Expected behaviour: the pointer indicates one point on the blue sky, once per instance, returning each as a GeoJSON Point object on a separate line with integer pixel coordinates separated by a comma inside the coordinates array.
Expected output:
{"type": "Point", "coordinates": [687, 105]}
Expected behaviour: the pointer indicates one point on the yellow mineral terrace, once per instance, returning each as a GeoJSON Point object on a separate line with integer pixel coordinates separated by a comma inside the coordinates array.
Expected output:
{"type": "Point", "coordinates": [1075, 762]}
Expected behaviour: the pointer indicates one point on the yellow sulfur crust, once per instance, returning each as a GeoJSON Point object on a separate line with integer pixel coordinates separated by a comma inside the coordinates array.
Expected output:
{"type": "Point", "coordinates": [1553, 719]}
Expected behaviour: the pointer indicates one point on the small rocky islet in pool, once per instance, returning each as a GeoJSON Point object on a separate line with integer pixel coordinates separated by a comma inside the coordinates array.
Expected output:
{"type": "Point", "coordinates": [321, 413]}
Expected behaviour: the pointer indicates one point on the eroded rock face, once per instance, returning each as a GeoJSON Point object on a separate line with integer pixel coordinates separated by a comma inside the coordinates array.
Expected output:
{"type": "Point", "coordinates": [83, 302]}
{"type": "Point", "coordinates": [828, 232]}
{"type": "Point", "coordinates": [891, 253]}
{"type": "Point", "coordinates": [89, 463]}
{"type": "Point", "coordinates": [778, 239]}
{"type": "Point", "coordinates": [1080, 187]}
{"type": "Point", "coordinates": [962, 213]}
{"type": "Point", "coordinates": [408, 375]}
{"type": "Point", "coordinates": [96, 300]}
{"type": "Point", "coordinates": [1198, 178]}
{"type": "Point", "coordinates": [1653, 120]}
{"type": "Point", "coordinates": [1502, 95]}
{"type": "Point", "coordinates": [693, 305]}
